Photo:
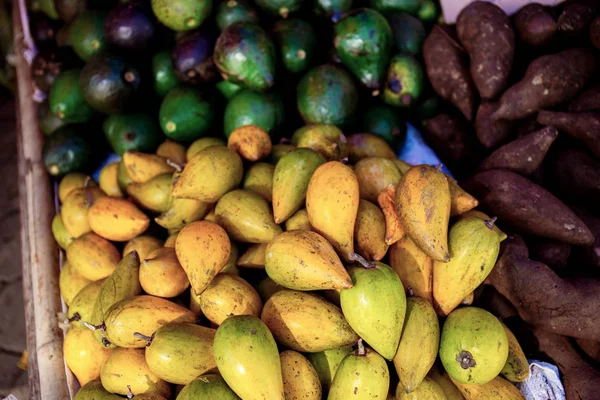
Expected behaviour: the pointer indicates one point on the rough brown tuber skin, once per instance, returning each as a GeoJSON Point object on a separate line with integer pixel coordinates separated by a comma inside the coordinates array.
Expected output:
{"type": "Point", "coordinates": [535, 25]}
{"type": "Point", "coordinates": [576, 16]}
{"type": "Point", "coordinates": [485, 31]}
{"type": "Point", "coordinates": [520, 202]}
{"type": "Point", "coordinates": [491, 132]}
{"type": "Point", "coordinates": [595, 32]}
{"type": "Point", "coordinates": [550, 252]}
{"type": "Point", "coordinates": [447, 67]}
{"type": "Point", "coordinates": [576, 176]}
{"type": "Point", "coordinates": [588, 256]}
{"type": "Point", "coordinates": [590, 347]}
{"type": "Point", "coordinates": [580, 379]}
{"type": "Point", "coordinates": [523, 155]}
{"type": "Point", "coordinates": [584, 126]}
{"type": "Point", "coordinates": [587, 100]}
{"type": "Point", "coordinates": [563, 306]}
{"type": "Point", "coordinates": [549, 80]}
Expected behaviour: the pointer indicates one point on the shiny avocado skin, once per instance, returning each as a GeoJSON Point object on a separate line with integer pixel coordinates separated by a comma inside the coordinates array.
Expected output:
{"type": "Point", "coordinates": [132, 132]}
{"type": "Point", "coordinates": [192, 57]}
{"type": "Point", "coordinates": [333, 9]}
{"type": "Point", "coordinates": [282, 8]}
{"type": "Point", "coordinates": [185, 114]}
{"type": "Point", "coordinates": [297, 42]}
{"type": "Point", "coordinates": [182, 15]}
{"type": "Point", "coordinates": [87, 34]}
{"type": "Point", "coordinates": [247, 107]}
{"type": "Point", "coordinates": [385, 6]}
{"type": "Point", "coordinates": [385, 122]}
{"type": "Point", "coordinates": [67, 100]}
{"type": "Point", "coordinates": [163, 75]}
{"type": "Point", "coordinates": [231, 11]}
{"type": "Point", "coordinates": [128, 25]}
{"type": "Point", "coordinates": [65, 151]}
{"type": "Point", "coordinates": [409, 32]}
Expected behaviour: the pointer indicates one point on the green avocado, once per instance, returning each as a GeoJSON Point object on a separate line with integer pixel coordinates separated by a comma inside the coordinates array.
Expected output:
{"type": "Point", "coordinates": [363, 42]}
{"type": "Point", "coordinates": [245, 55]}
{"type": "Point", "coordinates": [48, 8]}
{"type": "Point", "coordinates": [182, 15]}
{"type": "Point", "coordinates": [282, 8]}
{"type": "Point", "coordinates": [87, 34]}
{"type": "Point", "coordinates": [47, 121]}
{"type": "Point", "coordinates": [228, 89]}
{"type": "Point", "coordinates": [135, 132]}
{"type": "Point", "coordinates": [253, 108]}
{"type": "Point", "coordinates": [405, 80]}
{"type": "Point", "coordinates": [207, 387]}
{"type": "Point", "coordinates": [385, 122]}
{"type": "Point", "coordinates": [385, 6]}
{"type": "Point", "coordinates": [297, 42]}
{"type": "Point", "coordinates": [428, 11]}
{"type": "Point", "coordinates": [108, 83]}
{"type": "Point", "coordinates": [66, 98]}
{"type": "Point", "coordinates": [333, 9]}
{"type": "Point", "coordinates": [163, 75]}
{"type": "Point", "coordinates": [232, 11]}
{"type": "Point", "coordinates": [409, 33]}
{"type": "Point", "coordinates": [185, 115]}
{"type": "Point", "coordinates": [327, 94]}
{"type": "Point", "coordinates": [65, 151]}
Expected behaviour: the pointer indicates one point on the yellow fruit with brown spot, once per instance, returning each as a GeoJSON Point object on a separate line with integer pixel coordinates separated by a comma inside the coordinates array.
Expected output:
{"type": "Point", "coordinates": [153, 195]}
{"type": "Point", "coordinates": [229, 295]}
{"type": "Point", "coordinates": [75, 207]}
{"type": "Point", "coordinates": [497, 388]}
{"type": "Point", "coordinates": [161, 274]}
{"type": "Point", "coordinates": [70, 282]}
{"type": "Point", "coordinates": [516, 368]}
{"type": "Point", "coordinates": [83, 354]}
{"type": "Point", "coordinates": [72, 181]}
{"type": "Point", "coordinates": [323, 138]}
{"type": "Point", "coordinates": [92, 256]}
{"type": "Point", "coordinates": [252, 142]}
{"type": "Point", "coordinates": [253, 257]}
{"type": "Point", "coordinates": [393, 228]}
{"type": "Point", "coordinates": [460, 201]}
{"type": "Point", "coordinates": [126, 369]}
{"type": "Point", "coordinates": [363, 145]}
{"type": "Point", "coordinates": [143, 314]}
{"type": "Point", "coordinates": [172, 151]}
{"type": "Point", "coordinates": [60, 233]}
{"type": "Point", "coordinates": [143, 244]}
{"type": "Point", "coordinates": [117, 219]}
{"type": "Point", "coordinates": [201, 144]}
{"type": "Point", "coordinates": [210, 174]}
{"type": "Point", "coordinates": [202, 249]}
{"type": "Point", "coordinates": [332, 202]}
{"type": "Point", "coordinates": [374, 174]}
{"type": "Point", "coordinates": [108, 180]}
{"type": "Point", "coordinates": [485, 217]}
{"type": "Point", "coordinates": [427, 390]}
{"type": "Point", "coordinates": [142, 167]}
{"type": "Point", "coordinates": [259, 179]}
{"type": "Point", "coordinates": [300, 380]}
{"type": "Point", "coordinates": [423, 207]}
{"type": "Point", "coordinates": [369, 231]}
{"type": "Point", "coordinates": [414, 268]}
{"type": "Point", "coordinates": [298, 221]}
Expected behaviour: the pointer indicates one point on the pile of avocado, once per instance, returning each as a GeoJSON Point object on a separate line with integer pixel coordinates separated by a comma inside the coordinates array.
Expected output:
{"type": "Point", "coordinates": [123, 75]}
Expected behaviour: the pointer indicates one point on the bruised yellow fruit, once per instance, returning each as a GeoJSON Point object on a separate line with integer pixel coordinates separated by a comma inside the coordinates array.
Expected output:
{"type": "Point", "coordinates": [142, 167]}
{"type": "Point", "coordinates": [460, 201]}
{"type": "Point", "coordinates": [82, 305]}
{"type": "Point", "coordinates": [253, 257]}
{"type": "Point", "coordinates": [332, 202]}
{"type": "Point", "coordinates": [516, 368]}
{"type": "Point", "coordinates": [363, 145]}
{"type": "Point", "coordinates": [72, 181]}
{"type": "Point", "coordinates": [427, 390]}
{"type": "Point", "coordinates": [126, 370]}
{"type": "Point", "coordinates": [202, 249]}
{"type": "Point", "coordinates": [259, 179]}
{"type": "Point", "coordinates": [74, 211]}
{"type": "Point", "coordinates": [143, 314]}
{"type": "Point", "coordinates": [229, 295]}
{"type": "Point", "coordinates": [161, 274]}
{"type": "Point", "coordinates": [108, 180]}
{"type": "Point", "coordinates": [369, 231]}
{"type": "Point", "coordinates": [143, 244]}
{"type": "Point", "coordinates": [298, 221]}
{"type": "Point", "coordinates": [414, 268]}
{"type": "Point", "coordinates": [374, 174]}
{"type": "Point", "coordinates": [117, 219]}
{"type": "Point", "coordinates": [92, 256]}
{"type": "Point", "coordinates": [423, 207]}
{"type": "Point", "coordinates": [60, 233]}
{"type": "Point", "coordinates": [172, 151]}
{"type": "Point", "coordinates": [201, 144]}
{"type": "Point", "coordinates": [393, 228]}
{"type": "Point", "coordinates": [322, 138]}
{"type": "Point", "coordinates": [300, 380]}
{"type": "Point", "coordinates": [70, 282]}
{"type": "Point", "coordinates": [154, 194]}
{"type": "Point", "coordinates": [83, 354]}
{"type": "Point", "coordinates": [210, 174]}
{"type": "Point", "coordinates": [252, 142]}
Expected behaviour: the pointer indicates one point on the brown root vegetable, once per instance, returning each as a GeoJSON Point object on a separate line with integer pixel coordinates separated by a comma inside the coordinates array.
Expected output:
{"type": "Point", "coordinates": [595, 32]}
{"type": "Point", "coordinates": [587, 100]}
{"type": "Point", "coordinates": [527, 126]}
{"type": "Point", "coordinates": [549, 80]}
{"type": "Point", "coordinates": [588, 256]}
{"type": "Point", "coordinates": [495, 303]}
{"type": "Point", "coordinates": [535, 25]}
{"type": "Point", "coordinates": [590, 347]}
{"type": "Point", "coordinates": [584, 126]}
{"type": "Point", "coordinates": [577, 176]}
{"type": "Point", "coordinates": [550, 252]}
{"type": "Point", "coordinates": [527, 206]}
{"type": "Point", "coordinates": [581, 380]}
{"type": "Point", "coordinates": [576, 16]}
{"type": "Point", "coordinates": [543, 299]}
{"type": "Point", "coordinates": [485, 31]}
{"type": "Point", "coordinates": [490, 131]}
{"type": "Point", "coordinates": [523, 155]}
{"type": "Point", "coordinates": [448, 71]}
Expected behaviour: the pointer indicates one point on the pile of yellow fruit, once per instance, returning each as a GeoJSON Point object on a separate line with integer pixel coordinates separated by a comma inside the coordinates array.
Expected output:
{"type": "Point", "coordinates": [254, 271]}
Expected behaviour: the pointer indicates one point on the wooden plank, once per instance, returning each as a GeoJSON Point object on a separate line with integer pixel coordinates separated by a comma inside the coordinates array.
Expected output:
{"type": "Point", "coordinates": [47, 374]}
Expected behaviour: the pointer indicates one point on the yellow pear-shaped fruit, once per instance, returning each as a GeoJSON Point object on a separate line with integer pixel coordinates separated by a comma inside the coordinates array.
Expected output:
{"type": "Point", "coordinates": [92, 256]}
{"type": "Point", "coordinates": [246, 217]}
{"type": "Point", "coordinates": [428, 389]}
{"type": "Point", "coordinates": [75, 207]}
{"type": "Point", "coordinates": [210, 174]}
{"type": "Point", "coordinates": [117, 219]}
{"type": "Point", "coordinates": [143, 314]}
{"type": "Point", "coordinates": [253, 257]}
{"type": "Point", "coordinates": [259, 179]}
{"type": "Point", "coordinates": [394, 231]}
{"type": "Point", "coordinates": [172, 151]}
{"type": "Point", "coordinates": [123, 178]}
{"type": "Point", "coordinates": [516, 368]}
{"type": "Point", "coordinates": [374, 174]}
{"type": "Point", "coordinates": [294, 317]}
{"type": "Point", "coordinates": [72, 181]}
{"type": "Point", "coordinates": [364, 145]}
{"type": "Point", "coordinates": [497, 388]}
{"type": "Point", "coordinates": [181, 212]}
{"type": "Point", "coordinates": [126, 371]}
{"type": "Point", "coordinates": [403, 166]}
{"type": "Point", "coordinates": [60, 233]}
{"type": "Point", "coordinates": [304, 260]}
{"type": "Point", "coordinates": [231, 267]}
{"type": "Point", "coordinates": [414, 268]}
{"type": "Point", "coordinates": [82, 306]}
{"type": "Point", "coordinates": [460, 201]}
{"type": "Point", "coordinates": [298, 221]}
{"type": "Point", "coordinates": [251, 142]}
{"type": "Point", "coordinates": [332, 202]}
{"type": "Point", "coordinates": [95, 391]}
{"type": "Point", "coordinates": [153, 195]}
{"type": "Point", "coordinates": [326, 363]}
{"type": "Point", "coordinates": [171, 240]}
{"type": "Point", "coordinates": [83, 354]}
{"type": "Point", "coordinates": [143, 244]}
{"type": "Point", "coordinates": [202, 249]}
{"type": "Point", "coordinates": [445, 383]}
{"type": "Point", "coordinates": [201, 144]}
{"type": "Point", "coordinates": [326, 139]}
{"type": "Point", "coordinates": [485, 217]}
{"type": "Point", "coordinates": [141, 167]}
{"type": "Point", "coordinates": [423, 206]}
{"type": "Point", "coordinates": [161, 274]}
{"type": "Point", "coordinates": [108, 180]}
{"type": "Point", "coordinates": [70, 282]}
{"type": "Point", "coordinates": [369, 231]}
{"type": "Point", "coordinates": [279, 150]}
{"type": "Point", "coordinates": [300, 380]}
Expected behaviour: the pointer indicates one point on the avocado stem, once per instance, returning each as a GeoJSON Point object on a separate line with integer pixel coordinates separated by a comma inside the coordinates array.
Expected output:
{"type": "Point", "coordinates": [143, 337]}
{"type": "Point", "coordinates": [357, 257]}
{"type": "Point", "coordinates": [361, 348]}
{"type": "Point", "coordinates": [490, 222]}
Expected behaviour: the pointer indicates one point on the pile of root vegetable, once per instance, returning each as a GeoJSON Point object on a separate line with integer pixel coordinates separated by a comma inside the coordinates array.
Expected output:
{"type": "Point", "coordinates": [259, 239]}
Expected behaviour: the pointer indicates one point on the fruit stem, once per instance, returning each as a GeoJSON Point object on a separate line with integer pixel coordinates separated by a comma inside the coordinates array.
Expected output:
{"type": "Point", "coordinates": [173, 164]}
{"type": "Point", "coordinates": [130, 393]}
{"type": "Point", "coordinates": [490, 222]}
{"type": "Point", "coordinates": [93, 327]}
{"type": "Point", "coordinates": [76, 317]}
{"type": "Point", "coordinates": [143, 337]}
{"type": "Point", "coordinates": [361, 348]}
{"type": "Point", "coordinates": [361, 260]}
